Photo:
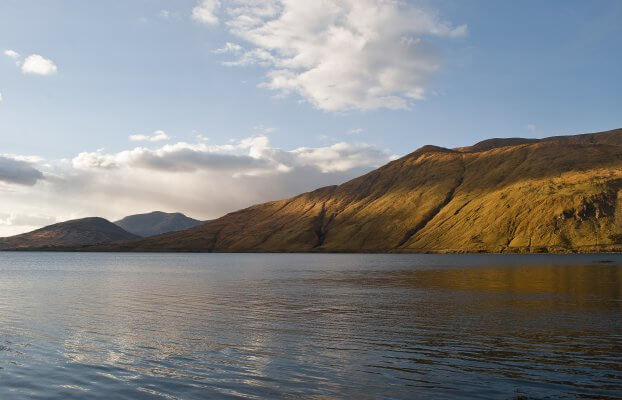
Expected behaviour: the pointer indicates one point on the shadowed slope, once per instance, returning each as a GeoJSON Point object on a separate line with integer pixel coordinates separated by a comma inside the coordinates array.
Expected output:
{"type": "Point", "coordinates": [78, 232]}
{"type": "Point", "coordinates": [156, 223]}
{"type": "Point", "coordinates": [554, 194]}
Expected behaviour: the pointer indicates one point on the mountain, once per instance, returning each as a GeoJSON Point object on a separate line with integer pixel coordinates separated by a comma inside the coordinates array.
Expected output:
{"type": "Point", "coordinates": [156, 223]}
{"type": "Point", "coordinates": [558, 194]}
{"type": "Point", "coordinates": [78, 232]}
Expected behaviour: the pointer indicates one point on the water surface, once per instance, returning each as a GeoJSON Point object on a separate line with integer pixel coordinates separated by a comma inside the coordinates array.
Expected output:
{"type": "Point", "coordinates": [195, 326]}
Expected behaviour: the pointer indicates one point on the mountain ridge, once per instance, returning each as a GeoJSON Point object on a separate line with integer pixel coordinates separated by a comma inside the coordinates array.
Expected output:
{"type": "Point", "coordinates": [156, 222]}
{"type": "Point", "coordinates": [556, 194]}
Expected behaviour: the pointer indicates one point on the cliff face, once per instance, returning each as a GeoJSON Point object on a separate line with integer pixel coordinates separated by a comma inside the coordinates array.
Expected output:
{"type": "Point", "coordinates": [500, 195]}
{"type": "Point", "coordinates": [78, 232]}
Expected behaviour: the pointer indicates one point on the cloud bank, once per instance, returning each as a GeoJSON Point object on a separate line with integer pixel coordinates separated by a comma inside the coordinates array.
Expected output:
{"type": "Point", "coordinates": [201, 179]}
{"type": "Point", "coordinates": [336, 54]}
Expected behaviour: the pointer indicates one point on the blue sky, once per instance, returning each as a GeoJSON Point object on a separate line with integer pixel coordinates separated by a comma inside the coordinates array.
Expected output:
{"type": "Point", "coordinates": [448, 73]}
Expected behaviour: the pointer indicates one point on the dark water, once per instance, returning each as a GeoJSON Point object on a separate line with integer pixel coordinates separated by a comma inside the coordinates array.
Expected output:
{"type": "Point", "coordinates": [110, 326]}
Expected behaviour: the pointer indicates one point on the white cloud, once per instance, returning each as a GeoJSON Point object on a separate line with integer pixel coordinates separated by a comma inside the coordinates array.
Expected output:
{"type": "Point", "coordinates": [262, 129]}
{"type": "Point", "coordinates": [157, 136]}
{"type": "Point", "coordinates": [355, 131]}
{"type": "Point", "coordinates": [340, 156]}
{"type": "Point", "coordinates": [253, 57]}
{"type": "Point", "coordinates": [250, 156]}
{"type": "Point", "coordinates": [25, 158]}
{"type": "Point", "coordinates": [11, 54]}
{"type": "Point", "coordinates": [37, 65]}
{"type": "Point", "coordinates": [339, 54]}
{"type": "Point", "coordinates": [205, 12]}
{"type": "Point", "coordinates": [164, 14]}
{"type": "Point", "coordinates": [202, 180]}
{"type": "Point", "coordinates": [229, 48]}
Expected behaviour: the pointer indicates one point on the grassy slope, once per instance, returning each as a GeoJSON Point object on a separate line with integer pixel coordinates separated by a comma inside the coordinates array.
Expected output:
{"type": "Point", "coordinates": [79, 232]}
{"type": "Point", "coordinates": [558, 194]}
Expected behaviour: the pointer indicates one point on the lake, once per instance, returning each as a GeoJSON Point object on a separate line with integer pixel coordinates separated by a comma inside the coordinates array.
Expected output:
{"type": "Point", "coordinates": [324, 326]}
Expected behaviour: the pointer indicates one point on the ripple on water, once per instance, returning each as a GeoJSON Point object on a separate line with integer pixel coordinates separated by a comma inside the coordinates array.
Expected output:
{"type": "Point", "coordinates": [98, 326]}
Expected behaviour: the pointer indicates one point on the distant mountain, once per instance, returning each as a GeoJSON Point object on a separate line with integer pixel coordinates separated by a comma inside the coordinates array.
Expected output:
{"type": "Point", "coordinates": [156, 223]}
{"type": "Point", "coordinates": [559, 194]}
{"type": "Point", "coordinates": [78, 232]}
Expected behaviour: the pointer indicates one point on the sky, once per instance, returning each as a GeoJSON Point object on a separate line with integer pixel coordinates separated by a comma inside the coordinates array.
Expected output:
{"type": "Point", "coordinates": [111, 108]}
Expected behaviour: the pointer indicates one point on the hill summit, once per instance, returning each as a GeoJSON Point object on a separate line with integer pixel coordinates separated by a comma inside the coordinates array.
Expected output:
{"type": "Point", "coordinates": [77, 232]}
{"type": "Point", "coordinates": [157, 222]}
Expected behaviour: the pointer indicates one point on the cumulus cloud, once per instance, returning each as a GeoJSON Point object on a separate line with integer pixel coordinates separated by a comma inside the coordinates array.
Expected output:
{"type": "Point", "coordinates": [339, 54]}
{"type": "Point", "coordinates": [38, 65]}
{"type": "Point", "coordinates": [203, 180]}
{"type": "Point", "coordinates": [16, 171]}
{"type": "Point", "coordinates": [157, 136]}
{"type": "Point", "coordinates": [205, 12]}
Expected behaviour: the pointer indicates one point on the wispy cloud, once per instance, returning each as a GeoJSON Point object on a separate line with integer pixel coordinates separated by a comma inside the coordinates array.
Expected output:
{"type": "Point", "coordinates": [229, 48]}
{"type": "Point", "coordinates": [263, 130]}
{"type": "Point", "coordinates": [11, 54]}
{"type": "Point", "coordinates": [157, 136]}
{"type": "Point", "coordinates": [355, 131]}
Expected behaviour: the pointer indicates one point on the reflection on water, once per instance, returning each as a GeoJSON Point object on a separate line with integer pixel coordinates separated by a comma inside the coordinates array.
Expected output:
{"type": "Point", "coordinates": [318, 326]}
